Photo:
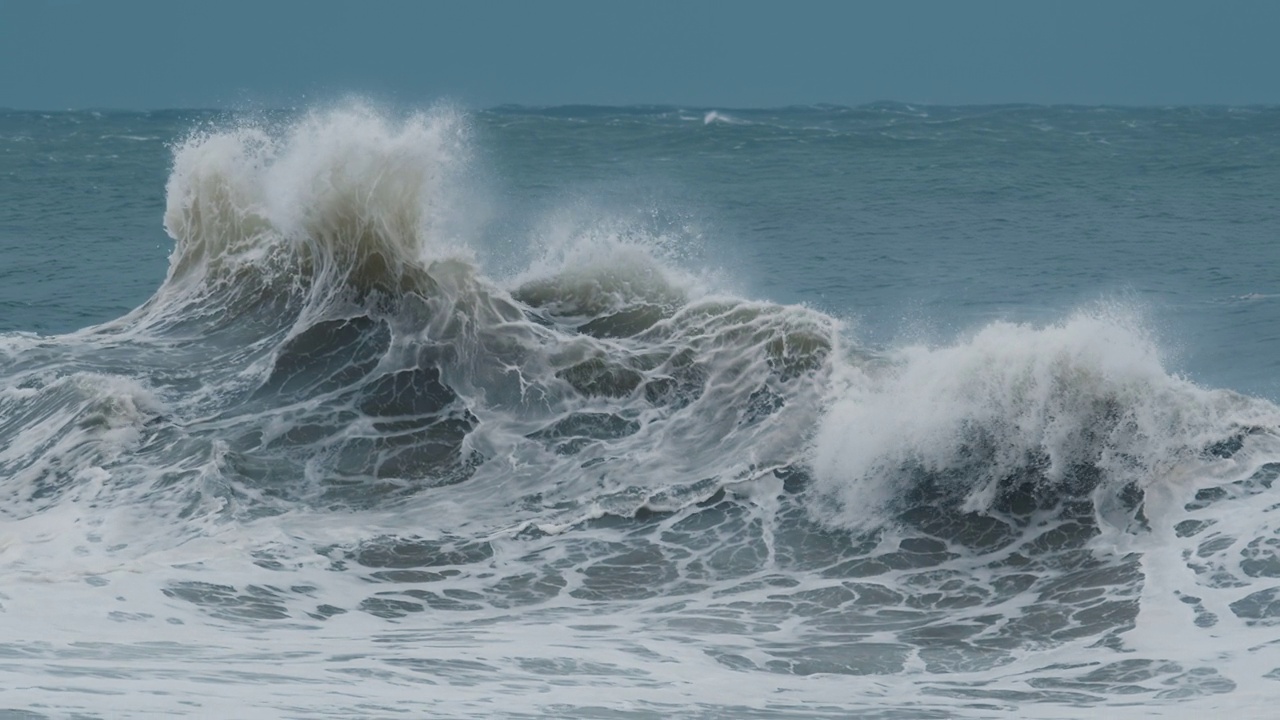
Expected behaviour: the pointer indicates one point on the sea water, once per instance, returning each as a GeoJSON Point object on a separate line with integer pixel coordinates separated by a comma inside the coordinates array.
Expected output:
{"type": "Point", "coordinates": [888, 411]}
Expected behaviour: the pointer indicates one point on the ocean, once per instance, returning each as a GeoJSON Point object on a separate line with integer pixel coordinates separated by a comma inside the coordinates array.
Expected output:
{"type": "Point", "coordinates": [890, 411]}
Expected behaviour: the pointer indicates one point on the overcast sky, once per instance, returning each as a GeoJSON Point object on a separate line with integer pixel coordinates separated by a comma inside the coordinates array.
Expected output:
{"type": "Point", "coordinates": [57, 54]}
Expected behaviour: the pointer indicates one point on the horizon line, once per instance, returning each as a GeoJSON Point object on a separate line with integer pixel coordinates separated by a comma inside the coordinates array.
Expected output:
{"type": "Point", "coordinates": [655, 106]}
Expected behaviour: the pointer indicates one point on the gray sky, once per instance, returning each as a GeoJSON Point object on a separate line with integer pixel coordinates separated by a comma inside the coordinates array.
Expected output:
{"type": "Point", "coordinates": [57, 54]}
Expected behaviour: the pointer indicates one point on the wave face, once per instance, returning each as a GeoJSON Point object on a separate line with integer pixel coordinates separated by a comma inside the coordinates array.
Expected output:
{"type": "Point", "coordinates": [1080, 409]}
{"type": "Point", "coordinates": [352, 443]}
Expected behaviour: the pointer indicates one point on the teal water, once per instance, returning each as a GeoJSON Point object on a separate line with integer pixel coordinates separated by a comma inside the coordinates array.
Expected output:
{"type": "Point", "coordinates": [890, 411]}
{"type": "Point", "coordinates": [906, 219]}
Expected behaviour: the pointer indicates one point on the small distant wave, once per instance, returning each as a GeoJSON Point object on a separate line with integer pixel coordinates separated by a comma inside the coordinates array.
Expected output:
{"type": "Point", "coordinates": [715, 116]}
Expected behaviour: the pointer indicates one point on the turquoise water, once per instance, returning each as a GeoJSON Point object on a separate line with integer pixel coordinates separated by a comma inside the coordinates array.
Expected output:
{"type": "Point", "coordinates": [917, 411]}
{"type": "Point", "coordinates": [906, 219]}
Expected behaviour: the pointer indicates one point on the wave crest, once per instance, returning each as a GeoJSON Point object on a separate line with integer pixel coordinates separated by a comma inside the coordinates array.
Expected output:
{"type": "Point", "coordinates": [1083, 408]}
{"type": "Point", "coordinates": [344, 197]}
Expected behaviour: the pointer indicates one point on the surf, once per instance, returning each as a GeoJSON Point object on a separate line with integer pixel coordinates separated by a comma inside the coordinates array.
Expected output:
{"type": "Point", "coordinates": [341, 416]}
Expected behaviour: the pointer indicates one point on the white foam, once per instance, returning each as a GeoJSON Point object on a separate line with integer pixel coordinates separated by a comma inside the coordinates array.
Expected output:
{"type": "Point", "coordinates": [1088, 390]}
{"type": "Point", "coordinates": [349, 193]}
{"type": "Point", "coordinates": [92, 582]}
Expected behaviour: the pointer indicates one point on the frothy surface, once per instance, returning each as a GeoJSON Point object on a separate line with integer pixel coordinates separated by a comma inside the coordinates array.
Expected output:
{"type": "Point", "coordinates": [362, 453]}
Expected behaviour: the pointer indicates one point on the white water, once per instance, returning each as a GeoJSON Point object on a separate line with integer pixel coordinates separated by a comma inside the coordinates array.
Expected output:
{"type": "Point", "coordinates": [176, 540]}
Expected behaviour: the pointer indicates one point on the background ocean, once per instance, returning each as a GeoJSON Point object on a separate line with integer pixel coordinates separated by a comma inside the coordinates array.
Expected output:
{"type": "Point", "coordinates": [887, 412]}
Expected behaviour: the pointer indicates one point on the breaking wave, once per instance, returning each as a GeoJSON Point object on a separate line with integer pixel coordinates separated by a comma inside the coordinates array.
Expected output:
{"type": "Point", "coordinates": [340, 343]}
{"type": "Point", "coordinates": [329, 384]}
{"type": "Point", "coordinates": [1080, 409]}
